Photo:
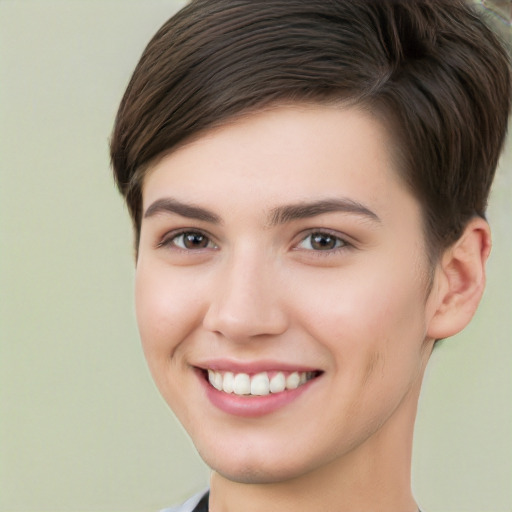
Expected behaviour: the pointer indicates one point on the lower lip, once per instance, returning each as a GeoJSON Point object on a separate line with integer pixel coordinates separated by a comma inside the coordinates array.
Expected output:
{"type": "Point", "coordinates": [251, 406]}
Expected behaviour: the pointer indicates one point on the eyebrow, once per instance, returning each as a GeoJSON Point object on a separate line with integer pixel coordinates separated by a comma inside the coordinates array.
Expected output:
{"type": "Point", "coordinates": [283, 214]}
{"type": "Point", "coordinates": [190, 211]}
{"type": "Point", "coordinates": [278, 215]}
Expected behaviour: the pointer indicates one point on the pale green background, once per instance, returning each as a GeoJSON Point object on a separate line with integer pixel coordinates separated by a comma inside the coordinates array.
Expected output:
{"type": "Point", "coordinates": [82, 427]}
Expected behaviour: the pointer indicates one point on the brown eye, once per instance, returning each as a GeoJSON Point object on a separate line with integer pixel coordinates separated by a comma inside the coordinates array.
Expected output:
{"type": "Point", "coordinates": [191, 240]}
{"type": "Point", "coordinates": [321, 242]}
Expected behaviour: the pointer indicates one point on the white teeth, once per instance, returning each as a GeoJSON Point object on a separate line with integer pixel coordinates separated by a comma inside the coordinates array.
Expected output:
{"type": "Point", "coordinates": [277, 383]}
{"type": "Point", "coordinates": [215, 379]}
{"type": "Point", "coordinates": [218, 381]}
{"type": "Point", "coordinates": [292, 381]}
{"type": "Point", "coordinates": [259, 384]}
{"type": "Point", "coordinates": [242, 384]}
{"type": "Point", "coordinates": [228, 382]}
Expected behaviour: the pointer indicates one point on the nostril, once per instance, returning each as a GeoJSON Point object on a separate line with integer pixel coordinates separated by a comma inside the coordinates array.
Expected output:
{"type": "Point", "coordinates": [237, 323]}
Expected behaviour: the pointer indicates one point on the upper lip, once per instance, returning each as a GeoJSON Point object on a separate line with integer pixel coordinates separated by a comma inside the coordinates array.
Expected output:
{"type": "Point", "coordinates": [225, 365]}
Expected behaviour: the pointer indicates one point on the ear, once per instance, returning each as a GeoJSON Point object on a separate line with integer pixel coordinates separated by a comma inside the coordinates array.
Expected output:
{"type": "Point", "coordinates": [460, 281]}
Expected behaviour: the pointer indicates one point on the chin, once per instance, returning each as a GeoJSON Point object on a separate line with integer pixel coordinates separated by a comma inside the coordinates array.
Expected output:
{"type": "Point", "coordinates": [256, 466]}
{"type": "Point", "coordinates": [253, 474]}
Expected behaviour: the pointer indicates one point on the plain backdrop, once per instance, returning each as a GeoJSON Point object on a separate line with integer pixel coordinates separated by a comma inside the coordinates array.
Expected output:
{"type": "Point", "coordinates": [82, 427]}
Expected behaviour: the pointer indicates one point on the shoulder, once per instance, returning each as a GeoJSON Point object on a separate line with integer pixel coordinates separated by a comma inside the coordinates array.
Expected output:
{"type": "Point", "coordinates": [189, 505]}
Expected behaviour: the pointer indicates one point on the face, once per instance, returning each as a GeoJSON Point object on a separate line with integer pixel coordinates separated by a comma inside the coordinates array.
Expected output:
{"type": "Point", "coordinates": [281, 291]}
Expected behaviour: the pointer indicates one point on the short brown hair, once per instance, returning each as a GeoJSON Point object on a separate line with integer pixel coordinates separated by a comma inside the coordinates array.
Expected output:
{"type": "Point", "coordinates": [431, 69]}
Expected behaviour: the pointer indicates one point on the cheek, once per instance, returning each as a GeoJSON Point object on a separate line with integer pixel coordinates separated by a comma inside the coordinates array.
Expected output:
{"type": "Point", "coordinates": [369, 319]}
{"type": "Point", "coordinates": [165, 310]}
{"type": "Point", "coordinates": [375, 332]}
{"type": "Point", "coordinates": [167, 314]}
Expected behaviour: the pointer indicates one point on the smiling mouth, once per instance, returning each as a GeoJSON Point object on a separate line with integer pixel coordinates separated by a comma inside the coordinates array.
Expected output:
{"type": "Point", "coordinates": [259, 384]}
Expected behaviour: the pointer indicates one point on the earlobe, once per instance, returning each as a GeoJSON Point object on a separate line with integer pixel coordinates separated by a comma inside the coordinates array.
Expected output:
{"type": "Point", "coordinates": [460, 280]}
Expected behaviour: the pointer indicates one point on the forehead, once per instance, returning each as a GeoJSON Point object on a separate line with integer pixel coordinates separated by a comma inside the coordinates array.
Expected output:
{"type": "Point", "coordinates": [283, 154]}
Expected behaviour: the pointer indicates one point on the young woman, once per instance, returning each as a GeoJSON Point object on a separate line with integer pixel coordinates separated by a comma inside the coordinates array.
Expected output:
{"type": "Point", "coordinates": [308, 184]}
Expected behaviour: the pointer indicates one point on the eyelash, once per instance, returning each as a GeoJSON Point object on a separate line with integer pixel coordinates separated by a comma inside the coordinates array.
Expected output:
{"type": "Point", "coordinates": [341, 243]}
{"type": "Point", "coordinates": [170, 240]}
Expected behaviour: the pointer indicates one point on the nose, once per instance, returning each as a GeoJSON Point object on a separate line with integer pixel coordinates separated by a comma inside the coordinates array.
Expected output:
{"type": "Point", "coordinates": [246, 301]}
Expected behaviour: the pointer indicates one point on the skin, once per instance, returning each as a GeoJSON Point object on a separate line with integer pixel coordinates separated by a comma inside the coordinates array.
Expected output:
{"type": "Point", "coordinates": [358, 309]}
